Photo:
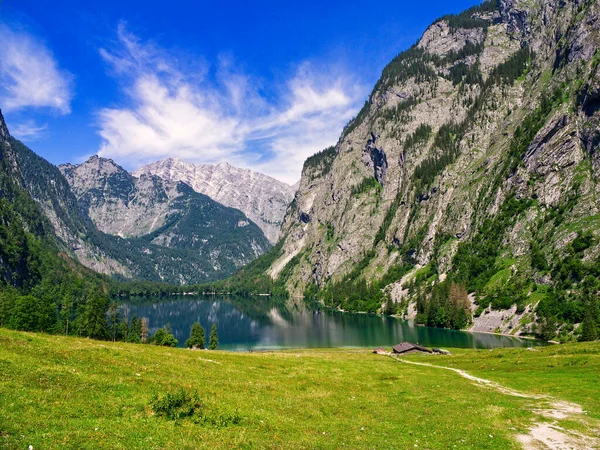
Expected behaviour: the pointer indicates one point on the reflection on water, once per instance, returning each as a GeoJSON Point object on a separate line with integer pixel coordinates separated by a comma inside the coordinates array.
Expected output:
{"type": "Point", "coordinates": [251, 323]}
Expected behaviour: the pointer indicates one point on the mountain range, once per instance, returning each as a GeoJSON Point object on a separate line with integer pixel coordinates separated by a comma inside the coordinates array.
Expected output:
{"type": "Point", "coordinates": [465, 191]}
{"type": "Point", "coordinates": [132, 228]}
{"type": "Point", "coordinates": [264, 200]}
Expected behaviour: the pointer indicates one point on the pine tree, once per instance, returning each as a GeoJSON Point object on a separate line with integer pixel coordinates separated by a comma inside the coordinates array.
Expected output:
{"type": "Point", "coordinates": [94, 316]}
{"type": "Point", "coordinates": [589, 326]}
{"type": "Point", "coordinates": [213, 343]}
{"type": "Point", "coordinates": [197, 337]}
{"type": "Point", "coordinates": [144, 329]}
{"type": "Point", "coordinates": [135, 330]}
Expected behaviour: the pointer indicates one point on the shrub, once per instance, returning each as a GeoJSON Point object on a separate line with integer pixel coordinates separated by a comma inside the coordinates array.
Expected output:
{"type": "Point", "coordinates": [176, 405]}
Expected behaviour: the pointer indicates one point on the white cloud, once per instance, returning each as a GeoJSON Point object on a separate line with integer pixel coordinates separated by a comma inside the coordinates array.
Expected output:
{"type": "Point", "coordinates": [29, 74]}
{"type": "Point", "coordinates": [172, 110]}
{"type": "Point", "coordinates": [28, 130]}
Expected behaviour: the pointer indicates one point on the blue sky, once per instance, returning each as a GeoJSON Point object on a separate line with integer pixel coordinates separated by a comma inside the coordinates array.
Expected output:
{"type": "Point", "coordinates": [260, 84]}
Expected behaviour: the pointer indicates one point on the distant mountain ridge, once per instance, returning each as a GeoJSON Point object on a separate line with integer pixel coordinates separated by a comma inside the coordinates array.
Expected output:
{"type": "Point", "coordinates": [263, 199]}
{"type": "Point", "coordinates": [186, 238]}
{"type": "Point", "coordinates": [118, 203]}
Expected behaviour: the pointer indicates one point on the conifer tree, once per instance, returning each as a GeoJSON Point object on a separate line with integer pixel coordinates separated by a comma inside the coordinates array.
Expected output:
{"type": "Point", "coordinates": [94, 316]}
{"type": "Point", "coordinates": [589, 326]}
{"type": "Point", "coordinates": [197, 337]}
{"type": "Point", "coordinates": [213, 342]}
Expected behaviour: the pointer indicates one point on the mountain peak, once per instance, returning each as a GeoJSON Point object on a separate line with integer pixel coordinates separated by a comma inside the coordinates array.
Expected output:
{"type": "Point", "coordinates": [4, 134]}
{"type": "Point", "coordinates": [262, 198]}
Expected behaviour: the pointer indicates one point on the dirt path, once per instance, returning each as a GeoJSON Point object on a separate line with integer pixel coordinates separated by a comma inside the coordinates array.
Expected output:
{"type": "Point", "coordinates": [542, 435]}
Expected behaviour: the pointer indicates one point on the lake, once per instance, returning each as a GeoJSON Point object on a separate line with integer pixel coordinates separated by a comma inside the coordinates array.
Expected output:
{"type": "Point", "coordinates": [259, 323]}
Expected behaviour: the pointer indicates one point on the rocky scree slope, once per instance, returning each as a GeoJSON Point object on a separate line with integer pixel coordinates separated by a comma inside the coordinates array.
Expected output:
{"type": "Point", "coordinates": [472, 168]}
{"type": "Point", "coordinates": [200, 240]}
{"type": "Point", "coordinates": [263, 199]}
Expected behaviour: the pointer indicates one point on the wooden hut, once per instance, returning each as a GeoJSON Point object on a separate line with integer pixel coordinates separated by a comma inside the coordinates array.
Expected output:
{"type": "Point", "coordinates": [380, 351]}
{"type": "Point", "coordinates": [408, 347]}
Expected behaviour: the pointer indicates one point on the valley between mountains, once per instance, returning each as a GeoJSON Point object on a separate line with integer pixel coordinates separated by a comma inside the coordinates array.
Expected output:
{"type": "Point", "coordinates": [464, 194]}
{"type": "Point", "coordinates": [458, 214]}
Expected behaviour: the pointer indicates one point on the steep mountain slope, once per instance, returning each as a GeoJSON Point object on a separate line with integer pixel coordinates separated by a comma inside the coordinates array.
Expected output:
{"type": "Point", "coordinates": [118, 203]}
{"type": "Point", "coordinates": [198, 241]}
{"type": "Point", "coordinates": [41, 288]}
{"type": "Point", "coordinates": [262, 198]}
{"type": "Point", "coordinates": [473, 167]}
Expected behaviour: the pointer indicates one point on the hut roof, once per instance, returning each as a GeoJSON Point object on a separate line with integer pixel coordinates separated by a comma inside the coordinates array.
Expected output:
{"type": "Point", "coordinates": [408, 347]}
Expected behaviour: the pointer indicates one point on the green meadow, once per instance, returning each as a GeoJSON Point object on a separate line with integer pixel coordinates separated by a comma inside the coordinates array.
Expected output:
{"type": "Point", "coordinates": [63, 392]}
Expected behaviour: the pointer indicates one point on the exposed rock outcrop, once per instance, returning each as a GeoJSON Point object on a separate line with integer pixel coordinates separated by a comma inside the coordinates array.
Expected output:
{"type": "Point", "coordinates": [261, 198]}
{"type": "Point", "coordinates": [494, 107]}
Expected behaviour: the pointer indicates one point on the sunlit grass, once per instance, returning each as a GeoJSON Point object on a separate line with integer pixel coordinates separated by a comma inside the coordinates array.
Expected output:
{"type": "Point", "coordinates": [58, 392]}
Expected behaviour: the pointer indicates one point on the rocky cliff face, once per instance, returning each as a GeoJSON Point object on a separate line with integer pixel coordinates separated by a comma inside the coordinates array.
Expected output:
{"type": "Point", "coordinates": [192, 237]}
{"type": "Point", "coordinates": [119, 203]}
{"type": "Point", "coordinates": [485, 133]}
{"type": "Point", "coordinates": [261, 198]}
{"type": "Point", "coordinates": [186, 237]}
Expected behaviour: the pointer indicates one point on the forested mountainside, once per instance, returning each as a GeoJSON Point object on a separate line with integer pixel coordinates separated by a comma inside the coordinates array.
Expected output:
{"type": "Point", "coordinates": [199, 240]}
{"type": "Point", "coordinates": [469, 181]}
{"type": "Point", "coordinates": [262, 198]}
{"type": "Point", "coordinates": [166, 213]}
{"type": "Point", "coordinates": [41, 289]}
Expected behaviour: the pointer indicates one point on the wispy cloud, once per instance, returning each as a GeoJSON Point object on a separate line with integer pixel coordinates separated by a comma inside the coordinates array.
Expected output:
{"type": "Point", "coordinates": [29, 130]}
{"type": "Point", "coordinates": [30, 75]}
{"type": "Point", "coordinates": [186, 110]}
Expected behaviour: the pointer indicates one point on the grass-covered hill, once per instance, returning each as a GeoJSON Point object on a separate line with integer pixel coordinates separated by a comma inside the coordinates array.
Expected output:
{"type": "Point", "coordinates": [64, 392]}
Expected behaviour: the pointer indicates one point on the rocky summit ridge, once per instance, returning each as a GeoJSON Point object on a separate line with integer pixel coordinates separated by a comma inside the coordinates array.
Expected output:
{"type": "Point", "coordinates": [263, 199]}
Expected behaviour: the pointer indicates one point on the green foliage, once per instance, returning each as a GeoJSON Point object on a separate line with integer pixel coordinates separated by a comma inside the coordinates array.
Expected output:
{"type": "Point", "coordinates": [395, 273]}
{"type": "Point", "coordinates": [529, 128]}
{"type": "Point", "coordinates": [413, 62]}
{"type": "Point", "coordinates": [176, 405]}
{"type": "Point", "coordinates": [387, 220]}
{"type": "Point", "coordinates": [365, 186]}
{"type": "Point", "coordinates": [538, 261]}
{"type": "Point", "coordinates": [213, 341]}
{"type": "Point", "coordinates": [93, 319]}
{"type": "Point", "coordinates": [444, 152]}
{"type": "Point", "coordinates": [356, 121]}
{"type": "Point", "coordinates": [399, 114]}
{"type": "Point", "coordinates": [197, 337]}
{"type": "Point", "coordinates": [475, 260]}
{"type": "Point", "coordinates": [420, 136]}
{"type": "Point", "coordinates": [444, 305]}
{"type": "Point", "coordinates": [466, 19]}
{"type": "Point", "coordinates": [330, 233]}
{"type": "Point", "coordinates": [590, 327]}
{"type": "Point", "coordinates": [320, 163]}
{"type": "Point", "coordinates": [164, 337]}
{"type": "Point", "coordinates": [469, 74]}
{"type": "Point", "coordinates": [469, 49]}
{"type": "Point", "coordinates": [512, 69]}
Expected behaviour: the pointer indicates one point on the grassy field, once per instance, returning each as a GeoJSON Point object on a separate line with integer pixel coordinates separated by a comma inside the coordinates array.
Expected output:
{"type": "Point", "coordinates": [58, 392]}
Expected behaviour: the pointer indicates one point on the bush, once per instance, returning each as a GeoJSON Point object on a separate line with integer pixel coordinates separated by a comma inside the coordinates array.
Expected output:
{"type": "Point", "coordinates": [176, 405]}
{"type": "Point", "coordinates": [164, 337]}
